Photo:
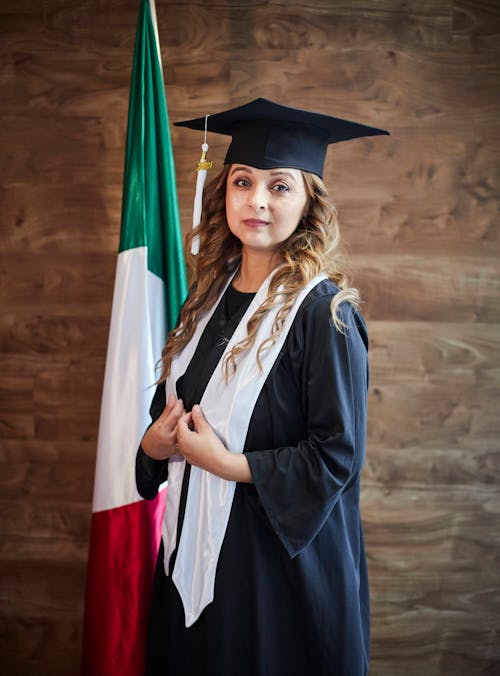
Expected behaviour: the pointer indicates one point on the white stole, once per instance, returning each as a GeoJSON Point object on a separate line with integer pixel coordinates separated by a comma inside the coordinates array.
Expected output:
{"type": "Point", "coordinates": [228, 408]}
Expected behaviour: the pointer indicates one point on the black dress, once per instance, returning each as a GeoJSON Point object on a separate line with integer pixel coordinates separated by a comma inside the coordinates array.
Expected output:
{"type": "Point", "coordinates": [291, 589]}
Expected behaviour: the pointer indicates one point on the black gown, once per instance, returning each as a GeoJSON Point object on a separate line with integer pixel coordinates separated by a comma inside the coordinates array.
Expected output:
{"type": "Point", "coordinates": [291, 588]}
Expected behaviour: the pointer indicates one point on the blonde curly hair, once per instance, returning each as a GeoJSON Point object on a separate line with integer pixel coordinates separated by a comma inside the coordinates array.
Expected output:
{"type": "Point", "coordinates": [313, 247]}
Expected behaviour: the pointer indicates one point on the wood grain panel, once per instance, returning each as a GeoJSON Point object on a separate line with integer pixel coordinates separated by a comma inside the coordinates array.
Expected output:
{"type": "Point", "coordinates": [417, 466]}
{"type": "Point", "coordinates": [46, 521]}
{"type": "Point", "coordinates": [325, 25]}
{"type": "Point", "coordinates": [423, 89]}
{"type": "Point", "coordinates": [87, 143]}
{"type": "Point", "coordinates": [436, 352]}
{"type": "Point", "coordinates": [423, 373]}
{"type": "Point", "coordinates": [424, 414]}
{"type": "Point", "coordinates": [447, 207]}
{"type": "Point", "coordinates": [16, 396]}
{"type": "Point", "coordinates": [68, 337]}
{"type": "Point", "coordinates": [46, 479]}
{"type": "Point", "coordinates": [63, 79]}
{"type": "Point", "coordinates": [56, 218]}
{"type": "Point", "coordinates": [17, 425]}
{"type": "Point", "coordinates": [40, 646]}
{"type": "Point", "coordinates": [427, 522]}
{"type": "Point", "coordinates": [434, 530]}
{"type": "Point", "coordinates": [28, 546]}
{"type": "Point", "coordinates": [52, 283]}
{"type": "Point", "coordinates": [455, 289]}
{"type": "Point", "coordinates": [66, 405]}
{"type": "Point", "coordinates": [41, 618]}
{"type": "Point", "coordinates": [474, 19]}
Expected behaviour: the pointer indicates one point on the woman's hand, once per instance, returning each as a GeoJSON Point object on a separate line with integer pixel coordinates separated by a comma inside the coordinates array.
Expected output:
{"type": "Point", "coordinates": [201, 447]}
{"type": "Point", "coordinates": [160, 440]}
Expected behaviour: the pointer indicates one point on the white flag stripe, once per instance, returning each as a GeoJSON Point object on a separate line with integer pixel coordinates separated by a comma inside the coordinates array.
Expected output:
{"type": "Point", "coordinates": [136, 339]}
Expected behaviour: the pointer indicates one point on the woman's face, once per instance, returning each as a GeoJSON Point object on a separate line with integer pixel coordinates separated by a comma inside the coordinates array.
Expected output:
{"type": "Point", "coordinates": [264, 206]}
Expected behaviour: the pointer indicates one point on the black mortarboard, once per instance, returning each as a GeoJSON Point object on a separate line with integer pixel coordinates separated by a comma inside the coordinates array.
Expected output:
{"type": "Point", "coordinates": [267, 135]}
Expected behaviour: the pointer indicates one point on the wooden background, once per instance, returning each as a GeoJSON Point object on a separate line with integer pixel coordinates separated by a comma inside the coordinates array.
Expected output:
{"type": "Point", "coordinates": [419, 214]}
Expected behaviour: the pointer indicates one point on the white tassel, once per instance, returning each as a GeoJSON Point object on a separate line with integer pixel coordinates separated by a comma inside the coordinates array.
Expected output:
{"type": "Point", "coordinates": [203, 166]}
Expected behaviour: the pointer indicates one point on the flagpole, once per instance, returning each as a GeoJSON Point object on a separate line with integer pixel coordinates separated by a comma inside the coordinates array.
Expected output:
{"type": "Point", "coordinates": [152, 7]}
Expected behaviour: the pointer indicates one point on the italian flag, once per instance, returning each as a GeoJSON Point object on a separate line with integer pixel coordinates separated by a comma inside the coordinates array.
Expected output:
{"type": "Point", "coordinates": [150, 286]}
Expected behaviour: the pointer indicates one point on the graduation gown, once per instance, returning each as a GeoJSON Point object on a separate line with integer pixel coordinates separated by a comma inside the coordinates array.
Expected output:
{"type": "Point", "coordinates": [291, 588]}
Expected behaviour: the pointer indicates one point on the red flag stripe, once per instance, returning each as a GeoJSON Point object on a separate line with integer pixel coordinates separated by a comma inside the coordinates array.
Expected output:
{"type": "Point", "coordinates": [119, 587]}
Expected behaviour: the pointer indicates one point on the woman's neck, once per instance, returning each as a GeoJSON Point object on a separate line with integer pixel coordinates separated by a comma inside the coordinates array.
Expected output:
{"type": "Point", "coordinates": [255, 267]}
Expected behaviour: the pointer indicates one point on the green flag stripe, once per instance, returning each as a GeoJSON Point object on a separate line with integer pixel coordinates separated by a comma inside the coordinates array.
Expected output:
{"type": "Point", "coordinates": [150, 213]}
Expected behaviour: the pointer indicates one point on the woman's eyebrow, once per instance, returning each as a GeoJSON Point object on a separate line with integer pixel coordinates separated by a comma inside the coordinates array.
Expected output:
{"type": "Point", "coordinates": [283, 173]}
{"type": "Point", "coordinates": [240, 168]}
{"type": "Point", "coordinates": [277, 172]}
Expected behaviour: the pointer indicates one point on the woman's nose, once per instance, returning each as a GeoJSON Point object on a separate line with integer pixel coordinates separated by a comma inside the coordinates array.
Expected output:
{"type": "Point", "coordinates": [258, 197]}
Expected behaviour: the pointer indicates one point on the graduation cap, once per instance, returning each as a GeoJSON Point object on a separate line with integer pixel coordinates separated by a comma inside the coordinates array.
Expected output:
{"type": "Point", "coordinates": [267, 135]}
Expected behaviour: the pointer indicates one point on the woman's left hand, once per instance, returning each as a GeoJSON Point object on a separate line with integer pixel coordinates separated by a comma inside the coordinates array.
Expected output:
{"type": "Point", "coordinates": [200, 446]}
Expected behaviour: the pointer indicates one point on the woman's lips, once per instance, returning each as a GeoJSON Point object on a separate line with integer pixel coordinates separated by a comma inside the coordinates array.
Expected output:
{"type": "Point", "coordinates": [255, 222]}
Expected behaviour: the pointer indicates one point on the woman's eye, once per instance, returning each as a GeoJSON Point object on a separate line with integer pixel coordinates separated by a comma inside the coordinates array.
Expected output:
{"type": "Point", "coordinates": [281, 187]}
{"type": "Point", "coordinates": [242, 183]}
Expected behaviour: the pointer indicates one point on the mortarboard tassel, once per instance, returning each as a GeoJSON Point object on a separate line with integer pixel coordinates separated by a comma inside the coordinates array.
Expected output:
{"type": "Point", "coordinates": [201, 175]}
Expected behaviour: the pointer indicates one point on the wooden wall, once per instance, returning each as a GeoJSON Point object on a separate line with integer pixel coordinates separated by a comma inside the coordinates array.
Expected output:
{"type": "Point", "coordinates": [419, 214]}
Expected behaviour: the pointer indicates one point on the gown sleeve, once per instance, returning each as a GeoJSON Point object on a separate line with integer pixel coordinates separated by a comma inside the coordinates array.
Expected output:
{"type": "Point", "coordinates": [151, 473]}
{"type": "Point", "coordinates": [299, 486]}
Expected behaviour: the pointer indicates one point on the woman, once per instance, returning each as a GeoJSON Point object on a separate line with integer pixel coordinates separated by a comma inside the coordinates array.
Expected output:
{"type": "Point", "coordinates": [262, 569]}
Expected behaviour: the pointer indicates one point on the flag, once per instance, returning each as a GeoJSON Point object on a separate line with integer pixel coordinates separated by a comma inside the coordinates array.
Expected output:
{"type": "Point", "coordinates": [150, 286]}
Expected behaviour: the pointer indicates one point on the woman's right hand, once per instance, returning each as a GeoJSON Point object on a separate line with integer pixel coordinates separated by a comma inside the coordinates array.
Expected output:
{"type": "Point", "coordinates": [160, 440]}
